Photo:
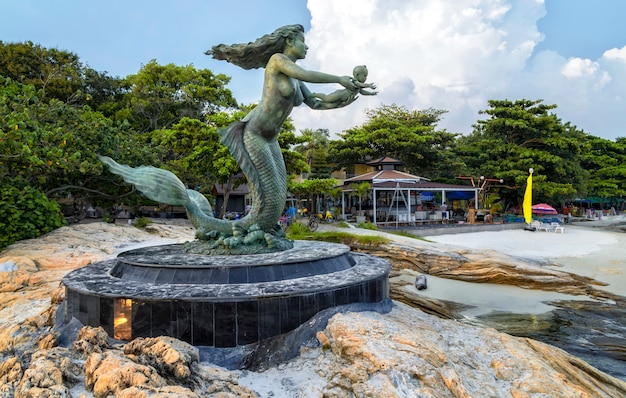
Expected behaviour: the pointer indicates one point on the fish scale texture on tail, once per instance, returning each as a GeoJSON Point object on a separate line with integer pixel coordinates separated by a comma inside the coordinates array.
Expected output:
{"type": "Point", "coordinates": [157, 184]}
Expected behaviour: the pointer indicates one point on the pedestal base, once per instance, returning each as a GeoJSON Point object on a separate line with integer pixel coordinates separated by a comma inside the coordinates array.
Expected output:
{"type": "Point", "coordinates": [220, 301]}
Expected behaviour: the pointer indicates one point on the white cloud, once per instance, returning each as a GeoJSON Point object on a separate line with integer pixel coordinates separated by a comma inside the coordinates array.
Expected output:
{"type": "Point", "coordinates": [578, 67]}
{"type": "Point", "coordinates": [455, 55]}
{"type": "Point", "coordinates": [616, 54]}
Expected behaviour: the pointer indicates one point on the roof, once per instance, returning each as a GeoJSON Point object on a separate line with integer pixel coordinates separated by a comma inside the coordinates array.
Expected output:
{"type": "Point", "coordinates": [420, 186]}
{"type": "Point", "coordinates": [384, 175]}
{"type": "Point", "coordinates": [384, 160]}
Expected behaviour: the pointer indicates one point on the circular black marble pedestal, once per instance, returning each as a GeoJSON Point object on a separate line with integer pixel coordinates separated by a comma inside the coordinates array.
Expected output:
{"type": "Point", "coordinates": [220, 301]}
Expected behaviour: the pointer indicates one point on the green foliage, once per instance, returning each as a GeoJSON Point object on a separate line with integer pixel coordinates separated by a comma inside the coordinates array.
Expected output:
{"type": "Point", "coordinates": [142, 222]}
{"type": "Point", "coordinates": [295, 162]}
{"type": "Point", "coordinates": [361, 189]}
{"type": "Point", "coordinates": [53, 145]}
{"type": "Point", "coordinates": [57, 73]}
{"type": "Point", "coordinates": [410, 136]}
{"type": "Point", "coordinates": [161, 95]}
{"type": "Point", "coordinates": [606, 164]}
{"type": "Point", "coordinates": [25, 213]}
{"type": "Point", "coordinates": [521, 135]}
{"type": "Point", "coordinates": [311, 189]}
{"type": "Point", "coordinates": [367, 225]}
{"type": "Point", "coordinates": [297, 231]}
{"type": "Point", "coordinates": [314, 147]}
{"type": "Point", "coordinates": [301, 232]}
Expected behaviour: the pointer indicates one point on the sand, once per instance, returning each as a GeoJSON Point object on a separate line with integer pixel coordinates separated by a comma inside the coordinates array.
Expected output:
{"type": "Point", "coordinates": [581, 250]}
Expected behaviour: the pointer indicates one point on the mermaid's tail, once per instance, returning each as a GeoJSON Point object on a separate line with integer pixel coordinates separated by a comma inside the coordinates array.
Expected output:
{"type": "Point", "coordinates": [157, 184]}
{"type": "Point", "coordinates": [164, 187]}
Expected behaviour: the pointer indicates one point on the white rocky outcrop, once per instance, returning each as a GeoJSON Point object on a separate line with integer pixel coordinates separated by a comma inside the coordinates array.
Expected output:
{"type": "Point", "coordinates": [403, 353]}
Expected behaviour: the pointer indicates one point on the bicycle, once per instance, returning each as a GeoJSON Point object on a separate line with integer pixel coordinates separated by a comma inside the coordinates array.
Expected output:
{"type": "Point", "coordinates": [313, 223]}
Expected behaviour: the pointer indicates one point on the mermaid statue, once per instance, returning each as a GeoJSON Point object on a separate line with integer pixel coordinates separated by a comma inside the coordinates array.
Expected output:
{"type": "Point", "coordinates": [253, 143]}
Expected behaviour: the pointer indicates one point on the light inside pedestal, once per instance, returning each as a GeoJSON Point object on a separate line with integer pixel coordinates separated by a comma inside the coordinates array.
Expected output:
{"type": "Point", "coordinates": [122, 324]}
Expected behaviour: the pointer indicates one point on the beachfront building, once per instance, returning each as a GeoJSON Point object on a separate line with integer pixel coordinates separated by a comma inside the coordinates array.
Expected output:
{"type": "Point", "coordinates": [401, 198]}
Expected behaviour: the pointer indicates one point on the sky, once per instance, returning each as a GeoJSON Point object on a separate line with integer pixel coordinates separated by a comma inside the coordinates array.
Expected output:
{"type": "Point", "coordinates": [453, 55]}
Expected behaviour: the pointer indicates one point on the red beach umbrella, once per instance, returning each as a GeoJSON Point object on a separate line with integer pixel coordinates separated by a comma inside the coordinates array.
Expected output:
{"type": "Point", "coordinates": [543, 208]}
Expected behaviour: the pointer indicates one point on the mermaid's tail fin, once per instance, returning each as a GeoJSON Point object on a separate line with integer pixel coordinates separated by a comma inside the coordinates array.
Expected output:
{"type": "Point", "coordinates": [200, 202]}
{"type": "Point", "coordinates": [157, 184]}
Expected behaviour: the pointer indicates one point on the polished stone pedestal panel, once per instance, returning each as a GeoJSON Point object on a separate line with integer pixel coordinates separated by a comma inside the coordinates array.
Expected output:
{"type": "Point", "coordinates": [220, 301]}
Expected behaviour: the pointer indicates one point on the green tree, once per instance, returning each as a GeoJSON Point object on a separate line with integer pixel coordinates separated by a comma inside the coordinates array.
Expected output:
{"type": "Point", "coordinates": [606, 164]}
{"type": "Point", "coordinates": [361, 190]}
{"type": "Point", "coordinates": [314, 148]}
{"type": "Point", "coordinates": [521, 135]}
{"type": "Point", "coordinates": [409, 136]}
{"type": "Point", "coordinates": [25, 212]}
{"type": "Point", "coordinates": [161, 95]}
{"type": "Point", "coordinates": [312, 189]}
{"type": "Point", "coordinates": [295, 163]}
{"type": "Point", "coordinates": [57, 73]}
{"type": "Point", "coordinates": [52, 145]}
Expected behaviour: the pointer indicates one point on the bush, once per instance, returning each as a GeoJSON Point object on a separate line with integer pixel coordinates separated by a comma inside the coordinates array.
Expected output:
{"type": "Point", "coordinates": [142, 222]}
{"type": "Point", "coordinates": [367, 225]}
{"type": "Point", "coordinates": [26, 213]}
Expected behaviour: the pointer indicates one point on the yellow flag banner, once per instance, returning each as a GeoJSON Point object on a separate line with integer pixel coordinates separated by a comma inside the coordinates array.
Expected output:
{"type": "Point", "coordinates": [527, 205]}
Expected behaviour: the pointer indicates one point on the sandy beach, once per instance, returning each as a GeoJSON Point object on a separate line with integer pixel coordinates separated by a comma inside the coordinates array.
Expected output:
{"type": "Point", "coordinates": [582, 249]}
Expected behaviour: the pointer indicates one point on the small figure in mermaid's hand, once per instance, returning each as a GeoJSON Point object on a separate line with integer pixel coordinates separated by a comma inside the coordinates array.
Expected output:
{"type": "Point", "coordinates": [350, 94]}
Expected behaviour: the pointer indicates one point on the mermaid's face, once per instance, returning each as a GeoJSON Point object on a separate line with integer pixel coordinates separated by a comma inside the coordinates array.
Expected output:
{"type": "Point", "coordinates": [297, 47]}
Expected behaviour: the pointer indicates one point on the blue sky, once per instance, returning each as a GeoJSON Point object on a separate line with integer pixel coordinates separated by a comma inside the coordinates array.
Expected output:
{"type": "Point", "coordinates": [447, 54]}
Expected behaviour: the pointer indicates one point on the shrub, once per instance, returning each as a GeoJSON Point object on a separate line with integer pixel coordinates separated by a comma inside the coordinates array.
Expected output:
{"type": "Point", "coordinates": [141, 222]}
{"type": "Point", "coordinates": [26, 213]}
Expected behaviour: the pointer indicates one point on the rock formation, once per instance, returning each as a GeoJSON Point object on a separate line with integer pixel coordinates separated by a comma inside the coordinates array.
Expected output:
{"type": "Point", "coordinates": [404, 353]}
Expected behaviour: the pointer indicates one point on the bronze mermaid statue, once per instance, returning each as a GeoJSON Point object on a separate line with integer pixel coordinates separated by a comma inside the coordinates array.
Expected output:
{"type": "Point", "coordinates": [253, 142]}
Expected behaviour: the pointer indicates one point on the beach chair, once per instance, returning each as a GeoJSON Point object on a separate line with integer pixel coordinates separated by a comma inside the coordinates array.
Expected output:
{"type": "Point", "coordinates": [541, 226]}
{"type": "Point", "coordinates": [556, 227]}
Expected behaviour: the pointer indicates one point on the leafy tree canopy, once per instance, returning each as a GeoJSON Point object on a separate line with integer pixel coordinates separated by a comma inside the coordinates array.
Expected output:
{"type": "Point", "coordinates": [521, 135]}
{"type": "Point", "coordinates": [410, 136]}
{"type": "Point", "coordinates": [161, 95]}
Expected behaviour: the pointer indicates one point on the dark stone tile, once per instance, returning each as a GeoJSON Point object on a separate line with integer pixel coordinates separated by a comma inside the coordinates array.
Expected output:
{"type": "Point", "coordinates": [142, 319]}
{"type": "Point", "coordinates": [225, 319]}
{"type": "Point", "coordinates": [106, 314]}
{"type": "Point", "coordinates": [309, 305]}
{"type": "Point", "coordinates": [185, 276]}
{"type": "Point", "coordinates": [269, 318]}
{"type": "Point", "coordinates": [83, 309]}
{"type": "Point", "coordinates": [326, 300]}
{"type": "Point", "coordinates": [202, 325]}
{"type": "Point", "coordinates": [161, 318]}
{"type": "Point", "coordinates": [289, 313]}
{"type": "Point", "coordinates": [279, 272]}
{"type": "Point", "coordinates": [182, 322]}
{"type": "Point", "coordinates": [341, 296]}
{"type": "Point", "coordinates": [72, 305]}
{"type": "Point", "coordinates": [218, 275]}
{"type": "Point", "coordinates": [260, 274]}
{"type": "Point", "coordinates": [93, 305]}
{"type": "Point", "coordinates": [166, 276]}
{"type": "Point", "coordinates": [247, 322]}
{"type": "Point", "coordinates": [238, 275]}
{"type": "Point", "coordinates": [151, 275]}
{"type": "Point", "coordinates": [355, 293]}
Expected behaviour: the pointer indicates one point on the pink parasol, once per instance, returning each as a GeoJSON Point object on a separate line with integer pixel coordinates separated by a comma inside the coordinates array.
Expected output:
{"type": "Point", "coordinates": [543, 208]}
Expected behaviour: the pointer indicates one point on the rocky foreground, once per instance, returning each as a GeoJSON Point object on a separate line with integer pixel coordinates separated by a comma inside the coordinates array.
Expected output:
{"type": "Point", "coordinates": [404, 353]}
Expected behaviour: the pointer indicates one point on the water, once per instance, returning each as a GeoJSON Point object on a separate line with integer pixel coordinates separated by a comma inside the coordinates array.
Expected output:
{"type": "Point", "coordinates": [591, 329]}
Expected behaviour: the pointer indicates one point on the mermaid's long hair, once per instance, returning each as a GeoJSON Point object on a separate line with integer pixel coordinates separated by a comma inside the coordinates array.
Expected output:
{"type": "Point", "coordinates": [256, 54]}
